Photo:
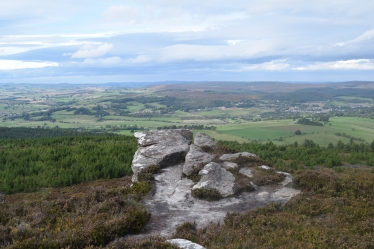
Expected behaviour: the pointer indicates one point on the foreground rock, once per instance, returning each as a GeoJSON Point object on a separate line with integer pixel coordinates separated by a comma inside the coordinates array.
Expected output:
{"type": "Point", "coordinates": [185, 244]}
{"type": "Point", "coordinates": [172, 203]}
{"type": "Point", "coordinates": [241, 179]}
{"type": "Point", "coordinates": [216, 177]}
{"type": "Point", "coordinates": [161, 148]}
{"type": "Point", "coordinates": [196, 159]}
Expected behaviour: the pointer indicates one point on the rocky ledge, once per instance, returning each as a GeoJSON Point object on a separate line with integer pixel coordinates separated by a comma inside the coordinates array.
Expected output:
{"type": "Point", "coordinates": [189, 176]}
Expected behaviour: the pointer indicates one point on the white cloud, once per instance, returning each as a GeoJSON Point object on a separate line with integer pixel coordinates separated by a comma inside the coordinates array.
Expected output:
{"type": "Point", "coordinates": [276, 65]}
{"type": "Point", "coordinates": [17, 64]}
{"type": "Point", "coordinates": [93, 52]}
{"type": "Point", "coordinates": [139, 59]}
{"type": "Point", "coordinates": [103, 61]}
{"type": "Point", "coordinates": [243, 50]}
{"type": "Point", "coordinates": [361, 64]}
{"type": "Point", "coordinates": [234, 42]}
{"type": "Point", "coordinates": [368, 35]}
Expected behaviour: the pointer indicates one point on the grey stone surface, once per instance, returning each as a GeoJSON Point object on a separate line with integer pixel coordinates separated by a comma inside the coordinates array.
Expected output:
{"type": "Point", "coordinates": [203, 140]}
{"type": "Point", "coordinates": [216, 177]}
{"type": "Point", "coordinates": [246, 171]}
{"type": "Point", "coordinates": [230, 157]}
{"type": "Point", "coordinates": [160, 147]}
{"type": "Point", "coordinates": [196, 158]}
{"type": "Point", "coordinates": [171, 203]}
{"type": "Point", "coordinates": [229, 165]}
{"type": "Point", "coordinates": [179, 136]}
{"type": "Point", "coordinates": [185, 244]}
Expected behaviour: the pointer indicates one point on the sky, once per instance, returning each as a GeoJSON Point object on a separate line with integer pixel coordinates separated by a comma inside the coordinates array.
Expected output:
{"type": "Point", "coordinates": [92, 41]}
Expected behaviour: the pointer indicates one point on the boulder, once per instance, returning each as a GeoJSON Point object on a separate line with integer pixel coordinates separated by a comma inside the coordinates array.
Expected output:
{"type": "Point", "coordinates": [230, 157]}
{"type": "Point", "coordinates": [196, 159]}
{"type": "Point", "coordinates": [185, 244]}
{"type": "Point", "coordinates": [160, 148]}
{"type": "Point", "coordinates": [213, 176]}
{"type": "Point", "coordinates": [203, 140]}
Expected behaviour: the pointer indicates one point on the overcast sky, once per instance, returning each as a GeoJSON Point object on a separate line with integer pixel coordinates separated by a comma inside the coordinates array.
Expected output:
{"type": "Point", "coordinates": [92, 41]}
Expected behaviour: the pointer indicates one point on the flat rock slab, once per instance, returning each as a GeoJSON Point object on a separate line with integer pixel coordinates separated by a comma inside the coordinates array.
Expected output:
{"type": "Point", "coordinates": [185, 244]}
{"type": "Point", "coordinates": [246, 172]}
{"type": "Point", "coordinates": [172, 204]}
{"type": "Point", "coordinates": [229, 165]}
{"type": "Point", "coordinates": [147, 138]}
{"type": "Point", "coordinates": [230, 157]}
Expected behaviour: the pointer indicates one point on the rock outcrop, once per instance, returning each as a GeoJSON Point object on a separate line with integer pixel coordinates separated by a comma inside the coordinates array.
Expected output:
{"type": "Point", "coordinates": [231, 157]}
{"type": "Point", "coordinates": [160, 148]}
{"type": "Point", "coordinates": [193, 168]}
{"type": "Point", "coordinates": [203, 140]}
{"type": "Point", "coordinates": [196, 159]}
{"type": "Point", "coordinates": [185, 244]}
{"type": "Point", "coordinates": [216, 177]}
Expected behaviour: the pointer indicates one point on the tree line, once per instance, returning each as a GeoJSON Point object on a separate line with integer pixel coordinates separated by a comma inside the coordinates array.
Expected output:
{"type": "Point", "coordinates": [308, 154]}
{"type": "Point", "coordinates": [27, 132]}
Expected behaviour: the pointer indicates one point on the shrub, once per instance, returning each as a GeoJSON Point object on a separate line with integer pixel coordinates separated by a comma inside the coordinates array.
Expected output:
{"type": "Point", "coordinates": [75, 217]}
{"type": "Point", "coordinates": [263, 177]}
{"type": "Point", "coordinates": [147, 175]}
{"type": "Point", "coordinates": [209, 194]}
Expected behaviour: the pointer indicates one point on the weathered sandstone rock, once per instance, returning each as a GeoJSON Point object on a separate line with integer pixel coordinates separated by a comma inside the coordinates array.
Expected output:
{"type": "Point", "coordinates": [196, 159]}
{"type": "Point", "coordinates": [161, 148]}
{"type": "Point", "coordinates": [230, 157]}
{"type": "Point", "coordinates": [216, 177]}
{"type": "Point", "coordinates": [172, 203]}
{"type": "Point", "coordinates": [246, 172]}
{"type": "Point", "coordinates": [203, 140]}
{"type": "Point", "coordinates": [229, 165]}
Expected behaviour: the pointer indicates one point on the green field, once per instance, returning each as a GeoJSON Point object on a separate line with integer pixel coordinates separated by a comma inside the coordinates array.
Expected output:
{"type": "Point", "coordinates": [265, 131]}
{"type": "Point", "coordinates": [231, 123]}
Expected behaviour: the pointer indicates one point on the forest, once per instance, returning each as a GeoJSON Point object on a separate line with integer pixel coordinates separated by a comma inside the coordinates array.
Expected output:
{"type": "Point", "coordinates": [31, 164]}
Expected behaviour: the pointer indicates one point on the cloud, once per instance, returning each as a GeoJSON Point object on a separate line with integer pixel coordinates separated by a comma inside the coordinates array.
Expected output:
{"type": "Point", "coordinates": [192, 52]}
{"type": "Point", "coordinates": [234, 42]}
{"type": "Point", "coordinates": [103, 61]}
{"type": "Point", "coordinates": [18, 64]}
{"type": "Point", "coordinates": [90, 52]}
{"type": "Point", "coordinates": [276, 65]}
{"type": "Point", "coordinates": [139, 59]}
{"type": "Point", "coordinates": [122, 13]}
{"type": "Point", "coordinates": [360, 64]}
{"type": "Point", "coordinates": [368, 35]}
{"type": "Point", "coordinates": [235, 37]}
